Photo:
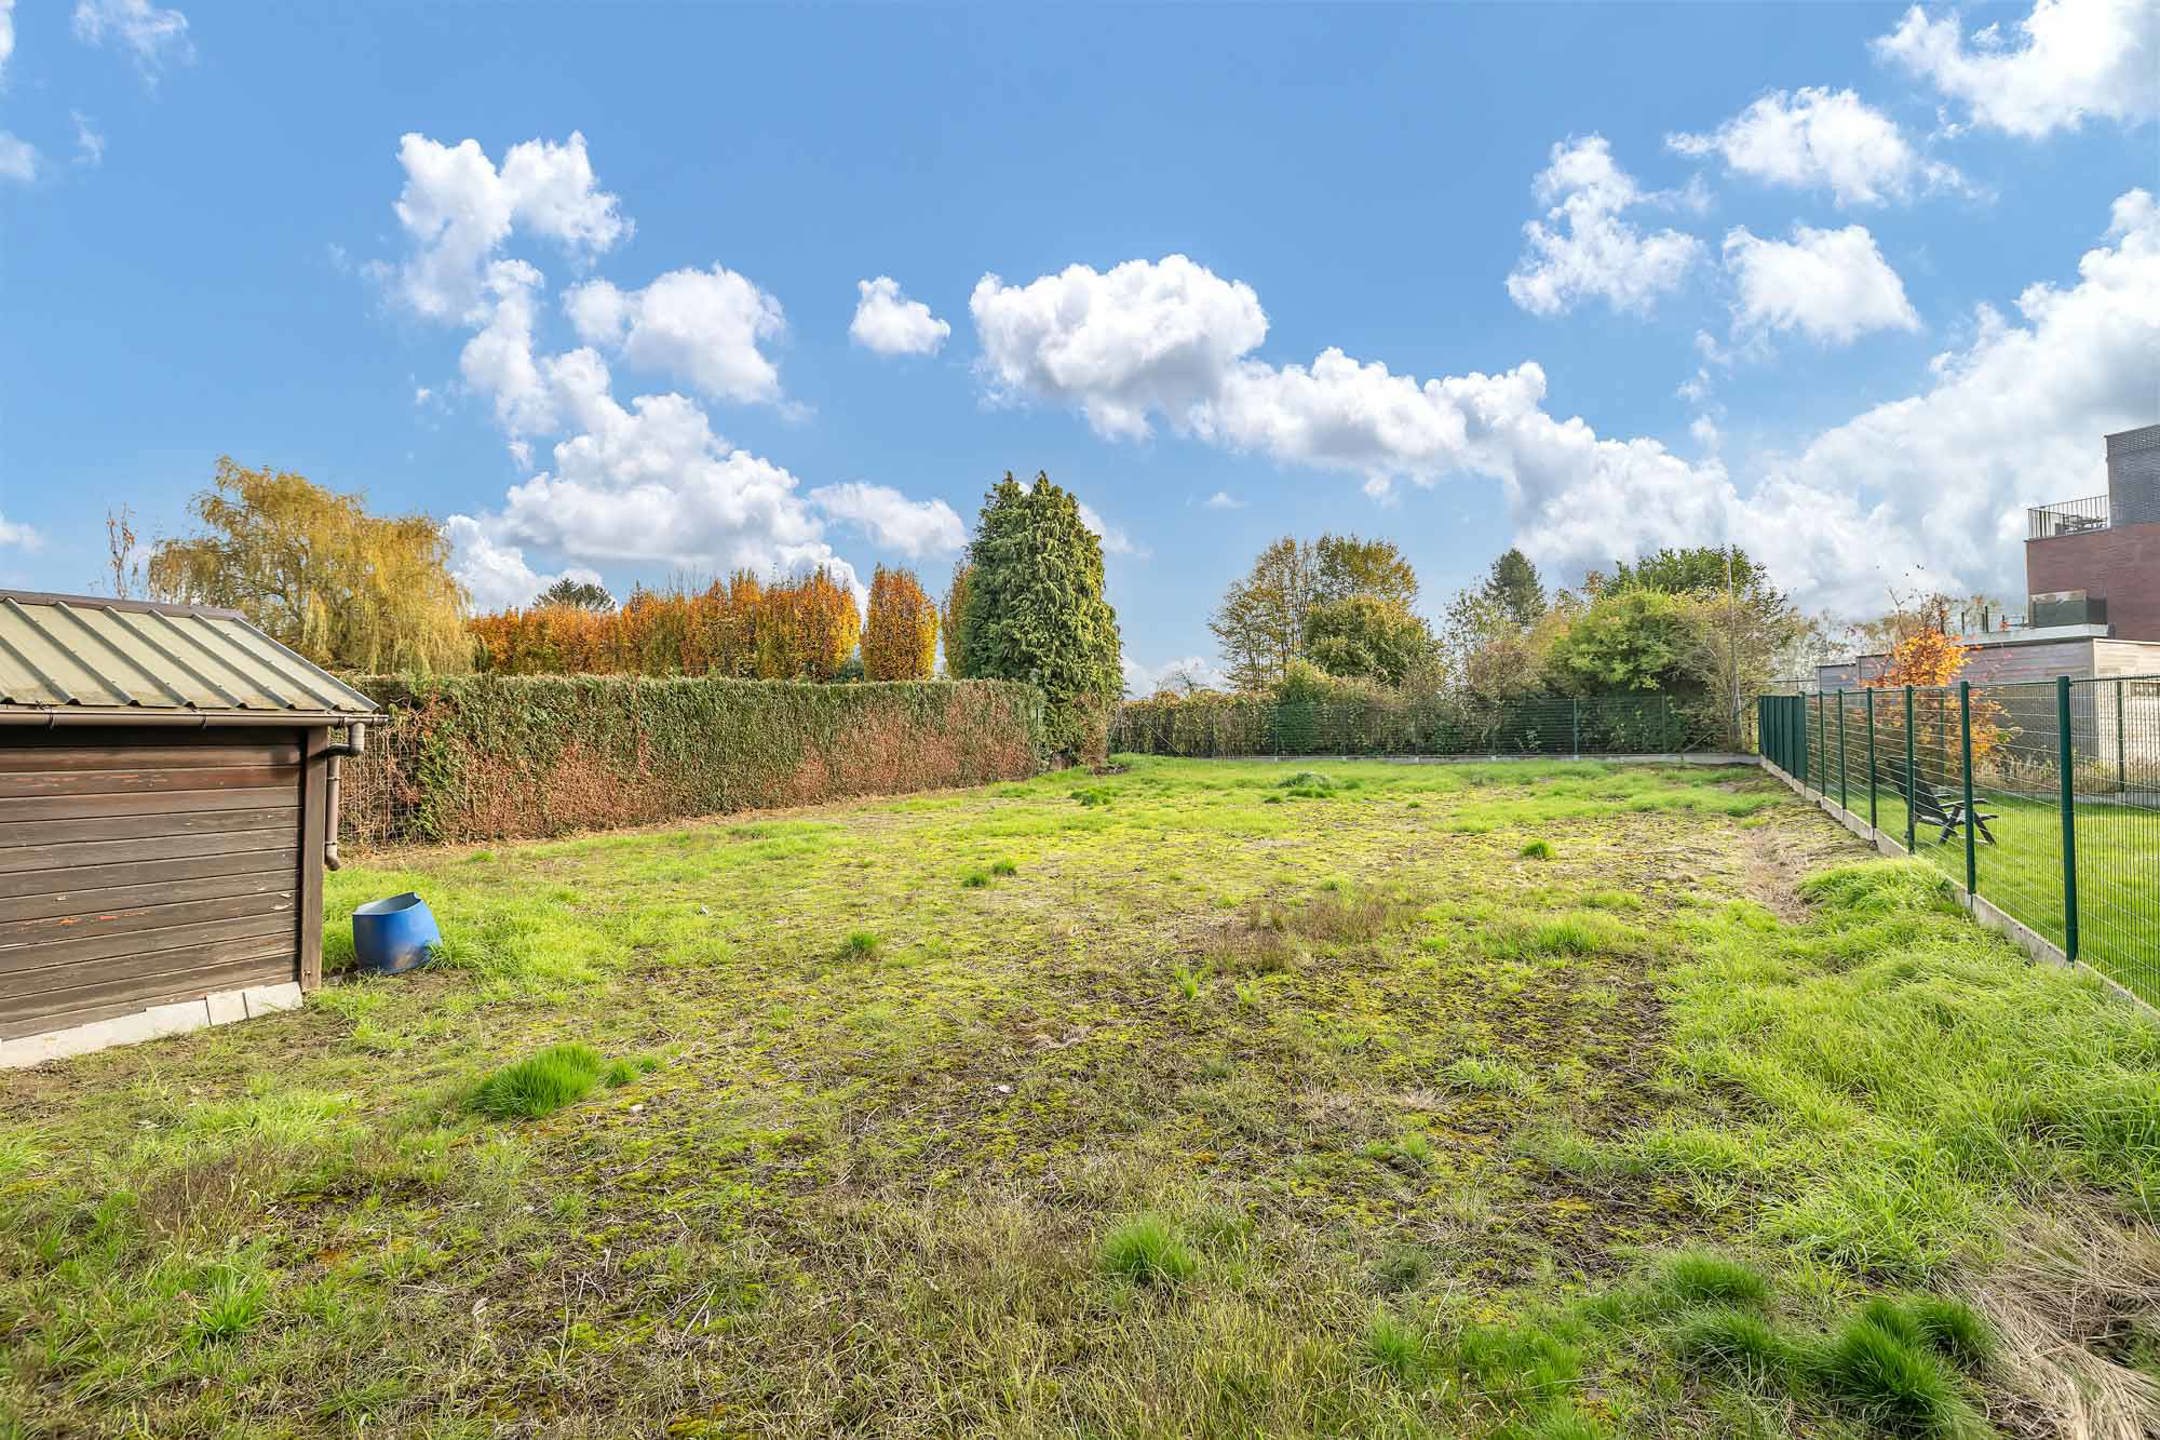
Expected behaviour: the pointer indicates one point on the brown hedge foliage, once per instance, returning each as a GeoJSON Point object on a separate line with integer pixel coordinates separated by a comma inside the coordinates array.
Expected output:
{"type": "Point", "coordinates": [801, 629]}
{"type": "Point", "coordinates": [900, 638]}
{"type": "Point", "coordinates": [492, 757]}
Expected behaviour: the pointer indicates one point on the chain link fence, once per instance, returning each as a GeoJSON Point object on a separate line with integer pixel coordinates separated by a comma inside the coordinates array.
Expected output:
{"type": "Point", "coordinates": [2043, 797]}
{"type": "Point", "coordinates": [1225, 727]}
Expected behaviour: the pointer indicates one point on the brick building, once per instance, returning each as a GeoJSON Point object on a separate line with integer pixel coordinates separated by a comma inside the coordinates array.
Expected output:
{"type": "Point", "coordinates": [2092, 581]}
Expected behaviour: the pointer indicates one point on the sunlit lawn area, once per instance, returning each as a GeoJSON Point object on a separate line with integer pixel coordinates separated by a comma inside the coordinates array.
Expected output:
{"type": "Point", "coordinates": [1203, 1099]}
{"type": "Point", "coordinates": [2022, 871]}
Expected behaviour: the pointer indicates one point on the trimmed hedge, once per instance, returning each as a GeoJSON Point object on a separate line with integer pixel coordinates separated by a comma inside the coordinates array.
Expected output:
{"type": "Point", "coordinates": [494, 757]}
{"type": "Point", "coordinates": [1208, 724]}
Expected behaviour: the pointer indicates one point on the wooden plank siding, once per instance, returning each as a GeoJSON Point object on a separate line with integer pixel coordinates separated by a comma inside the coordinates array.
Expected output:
{"type": "Point", "coordinates": [141, 866]}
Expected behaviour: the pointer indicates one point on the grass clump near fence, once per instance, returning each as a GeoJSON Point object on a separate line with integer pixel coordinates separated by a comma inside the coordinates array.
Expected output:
{"type": "Point", "coordinates": [2063, 830]}
{"type": "Point", "coordinates": [511, 757]}
{"type": "Point", "coordinates": [1211, 725]}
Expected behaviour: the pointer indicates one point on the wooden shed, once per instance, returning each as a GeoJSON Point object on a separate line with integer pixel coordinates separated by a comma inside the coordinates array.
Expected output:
{"type": "Point", "coordinates": [168, 801]}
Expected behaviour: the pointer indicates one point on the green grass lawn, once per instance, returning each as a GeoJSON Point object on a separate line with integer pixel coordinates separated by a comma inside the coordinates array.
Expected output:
{"type": "Point", "coordinates": [1203, 1099]}
{"type": "Point", "coordinates": [2118, 872]}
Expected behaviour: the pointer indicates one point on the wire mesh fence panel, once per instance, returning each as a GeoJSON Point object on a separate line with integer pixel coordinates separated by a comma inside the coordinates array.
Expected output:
{"type": "Point", "coordinates": [2115, 779]}
{"type": "Point", "coordinates": [2042, 797]}
{"type": "Point", "coordinates": [2017, 839]}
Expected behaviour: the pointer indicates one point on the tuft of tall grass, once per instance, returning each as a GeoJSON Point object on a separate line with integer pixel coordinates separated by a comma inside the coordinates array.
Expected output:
{"type": "Point", "coordinates": [859, 945]}
{"type": "Point", "coordinates": [628, 1068]}
{"type": "Point", "coordinates": [233, 1306]}
{"type": "Point", "coordinates": [1397, 1347]}
{"type": "Point", "coordinates": [1699, 1278]}
{"type": "Point", "coordinates": [1147, 1250]}
{"type": "Point", "coordinates": [540, 1084]}
{"type": "Point", "coordinates": [1879, 1369]}
{"type": "Point", "coordinates": [1493, 1077]}
{"type": "Point", "coordinates": [1537, 850]}
{"type": "Point", "coordinates": [1738, 1345]}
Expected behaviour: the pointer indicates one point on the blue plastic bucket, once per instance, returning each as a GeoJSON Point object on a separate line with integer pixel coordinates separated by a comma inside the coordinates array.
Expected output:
{"type": "Point", "coordinates": [394, 935]}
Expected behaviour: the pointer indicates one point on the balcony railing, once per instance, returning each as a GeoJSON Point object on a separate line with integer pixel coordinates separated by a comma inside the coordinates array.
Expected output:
{"type": "Point", "coordinates": [2068, 517]}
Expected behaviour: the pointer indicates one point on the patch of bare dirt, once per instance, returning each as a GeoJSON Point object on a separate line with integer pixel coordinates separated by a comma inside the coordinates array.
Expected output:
{"type": "Point", "coordinates": [1777, 855]}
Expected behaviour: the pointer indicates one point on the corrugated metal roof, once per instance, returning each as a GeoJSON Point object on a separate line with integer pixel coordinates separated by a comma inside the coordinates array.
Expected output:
{"type": "Point", "coordinates": [84, 653]}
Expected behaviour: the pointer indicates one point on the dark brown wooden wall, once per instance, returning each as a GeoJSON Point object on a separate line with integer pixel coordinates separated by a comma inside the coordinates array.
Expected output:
{"type": "Point", "coordinates": [140, 867]}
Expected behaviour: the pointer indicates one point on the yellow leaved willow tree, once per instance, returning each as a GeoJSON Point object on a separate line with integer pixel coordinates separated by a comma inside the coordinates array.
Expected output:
{"type": "Point", "coordinates": [348, 590]}
{"type": "Point", "coordinates": [900, 639]}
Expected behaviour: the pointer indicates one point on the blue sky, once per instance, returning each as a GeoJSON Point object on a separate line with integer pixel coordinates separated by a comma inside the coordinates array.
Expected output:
{"type": "Point", "coordinates": [1849, 284]}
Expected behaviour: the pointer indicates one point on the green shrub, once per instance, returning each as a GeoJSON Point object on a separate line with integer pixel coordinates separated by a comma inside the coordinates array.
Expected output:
{"type": "Point", "coordinates": [540, 1084]}
{"type": "Point", "coordinates": [487, 757]}
{"type": "Point", "coordinates": [1148, 1251]}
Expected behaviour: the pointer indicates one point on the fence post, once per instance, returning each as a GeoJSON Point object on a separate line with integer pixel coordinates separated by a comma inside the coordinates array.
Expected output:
{"type": "Point", "coordinates": [1822, 737]}
{"type": "Point", "coordinates": [2122, 745]}
{"type": "Point", "coordinates": [1868, 697]}
{"type": "Point", "coordinates": [1844, 788]}
{"type": "Point", "coordinates": [1911, 778]}
{"type": "Point", "coordinates": [2063, 758]}
{"type": "Point", "coordinates": [1972, 853]}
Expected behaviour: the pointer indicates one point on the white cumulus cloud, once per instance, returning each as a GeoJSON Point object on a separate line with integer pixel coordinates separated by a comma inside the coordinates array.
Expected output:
{"type": "Point", "coordinates": [1144, 336]}
{"type": "Point", "coordinates": [703, 326]}
{"type": "Point", "coordinates": [647, 482]}
{"type": "Point", "coordinates": [7, 34]}
{"type": "Point", "coordinates": [913, 527]}
{"type": "Point", "coordinates": [458, 209]}
{"type": "Point", "coordinates": [1818, 139]}
{"type": "Point", "coordinates": [1931, 486]}
{"type": "Point", "coordinates": [1584, 248]}
{"type": "Point", "coordinates": [2067, 60]}
{"type": "Point", "coordinates": [497, 576]}
{"type": "Point", "coordinates": [889, 323]}
{"type": "Point", "coordinates": [14, 532]}
{"type": "Point", "coordinates": [154, 36]}
{"type": "Point", "coordinates": [1830, 285]}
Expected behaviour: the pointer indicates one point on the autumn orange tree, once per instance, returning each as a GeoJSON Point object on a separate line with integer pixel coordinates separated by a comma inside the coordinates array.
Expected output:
{"type": "Point", "coordinates": [802, 629]}
{"type": "Point", "coordinates": [1924, 657]}
{"type": "Point", "coordinates": [899, 640]}
{"type": "Point", "coordinates": [1930, 660]}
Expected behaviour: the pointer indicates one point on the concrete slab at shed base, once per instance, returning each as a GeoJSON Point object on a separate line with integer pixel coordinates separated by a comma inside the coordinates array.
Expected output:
{"type": "Point", "coordinates": [219, 1009]}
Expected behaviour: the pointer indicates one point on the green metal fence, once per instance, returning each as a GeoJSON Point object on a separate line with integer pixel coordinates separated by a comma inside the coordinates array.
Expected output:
{"type": "Point", "coordinates": [2042, 797]}
{"type": "Point", "coordinates": [1224, 726]}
